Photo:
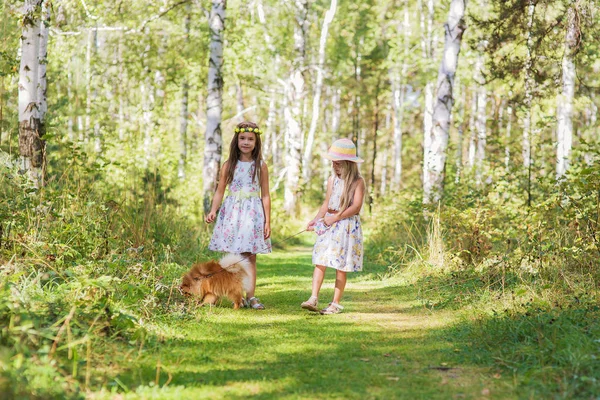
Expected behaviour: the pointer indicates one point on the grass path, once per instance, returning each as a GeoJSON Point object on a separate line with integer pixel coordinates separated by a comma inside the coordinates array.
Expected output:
{"type": "Point", "coordinates": [384, 346]}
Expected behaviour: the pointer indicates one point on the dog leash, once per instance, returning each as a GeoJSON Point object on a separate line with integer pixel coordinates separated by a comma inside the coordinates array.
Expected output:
{"type": "Point", "coordinates": [247, 257]}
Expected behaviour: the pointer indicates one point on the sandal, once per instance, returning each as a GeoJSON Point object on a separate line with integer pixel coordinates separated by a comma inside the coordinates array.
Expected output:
{"type": "Point", "coordinates": [254, 302]}
{"type": "Point", "coordinates": [333, 308]}
{"type": "Point", "coordinates": [311, 304]}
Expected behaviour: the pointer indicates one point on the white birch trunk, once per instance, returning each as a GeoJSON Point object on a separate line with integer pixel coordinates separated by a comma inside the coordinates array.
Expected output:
{"type": "Point", "coordinates": [240, 101]}
{"type": "Point", "coordinates": [397, 103]}
{"type": "Point", "coordinates": [293, 140]}
{"type": "Point", "coordinates": [306, 159]}
{"type": "Point", "coordinates": [31, 125]}
{"type": "Point", "coordinates": [270, 126]}
{"type": "Point", "coordinates": [384, 169]}
{"type": "Point", "coordinates": [509, 114]}
{"type": "Point", "coordinates": [147, 90]}
{"type": "Point", "coordinates": [565, 101]}
{"type": "Point", "coordinates": [481, 134]}
{"type": "Point", "coordinates": [43, 60]}
{"type": "Point", "coordinates": [336, 112]}
{"type": "Point", "coordinates": [214, 102]}
{"type": "Point", "coordinates": [472, 130]}
{"type": "Point", "coordinates": [120, 91]}
{"type": "Point", "coordinates": [88, 79]}
{"type": "Point", "coordinates": [427, 47]}
{"type": "Point", "coordinates": [293, 111]}
{"type": "Point", "coordinates": [427, 130]}
{"type": "Point", "coordinates": [433, 183]}
{"type": "Point", "coordinates": [183, 116]}
{"type": "Point", "coordinates": [399, 92]}
{"type": "Point", "coordinates": [529, 82]}
{"type": "Point", "coordinates": [459, 145]}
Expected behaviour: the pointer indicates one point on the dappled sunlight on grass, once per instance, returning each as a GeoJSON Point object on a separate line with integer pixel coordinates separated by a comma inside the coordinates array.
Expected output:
{"type": "Point", "coordinates": [380, 347]}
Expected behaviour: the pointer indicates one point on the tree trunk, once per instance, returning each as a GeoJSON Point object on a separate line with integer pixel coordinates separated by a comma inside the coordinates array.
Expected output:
{"type": "Point", "coordinates": [459, 145]}
{"type": "Point", "coordinates": [147, 92]}
{"type": "Point", "coordinates": [565, 101]}
{"type": "Point", "coordinates": [529, 83]}
{"type": "Point", "coordinates": [427, 130]}
{"type": "Point", "coordinates": [472, 129]}
{"type": "Point", "coordinates": [306, 168]}
{"type": "Point", "coordinates": [183, 116]}
{"type": "Point", "coordinates": [509, 113]}
{"type": "Point", "coordinates": [528, 89]}
{"type": "Point", "coordinates": [293, 111]}
{"type": "Point", "coordinates": [399, 93]}
{"type": "Point", "coordinates": [214, 103]}
{"type": "Point", "coordinates": [481, 134]}
{"type": "Point", "coordinates": [240, 100]}
{"type": "Point", "coordinates": [31, 123]}
{"type": "Point", "coordinates": [270, 136]}
{"type": "Point", "coordinates": [436, 160]}
{"type": "Point", "coordinates": [374, 155]}
{"type": "Point", "coordinates": [428, 55]}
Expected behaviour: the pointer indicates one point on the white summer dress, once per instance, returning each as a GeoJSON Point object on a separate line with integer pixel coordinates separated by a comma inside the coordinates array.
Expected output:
{"type": "Point", "coordinates": [340, 246]}
{"type": "Point", "coordinates": [241, 221]}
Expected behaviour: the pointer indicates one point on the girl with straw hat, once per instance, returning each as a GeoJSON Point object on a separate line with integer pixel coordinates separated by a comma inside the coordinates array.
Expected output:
{"type": "Point", "coordinates": [339, 243]}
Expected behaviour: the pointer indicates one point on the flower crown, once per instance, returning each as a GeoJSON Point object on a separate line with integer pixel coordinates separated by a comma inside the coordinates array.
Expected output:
{"type": "Point", "coordinates": [248, 129]}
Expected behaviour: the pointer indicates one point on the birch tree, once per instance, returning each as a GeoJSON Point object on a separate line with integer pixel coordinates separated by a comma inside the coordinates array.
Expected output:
{"type": "Point", "coordinates": [32, 88]}
{"type": "Point", "coordinates": [294, 88]}
{"type": "Point", "coordinates": [399, 93]}
{"type": "Point", "coordinates": [565, 100]}
{"type": "Point", "coordinates": [183, 117]}
{"type": "Point", "coordinates": [214, 102]}
{"type": "Point", "coordinates": [529, 82]}
{"type": "Point", "coordinates": [306, 168]}
{"type": "Point", "coordinates": [427, 52]}
{"type": "Point", "coordinates": [435, 161]}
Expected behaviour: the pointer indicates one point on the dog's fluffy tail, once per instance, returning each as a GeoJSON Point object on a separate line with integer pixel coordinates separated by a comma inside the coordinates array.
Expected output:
{"type": "Point", "coordinates": [236, 263]}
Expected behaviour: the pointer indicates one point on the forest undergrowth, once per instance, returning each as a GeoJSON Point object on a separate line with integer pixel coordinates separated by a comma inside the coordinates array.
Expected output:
{"type": "Point", "coordinates": [525, 279]}
{"type": "Point", "coordinates": [84, 272]}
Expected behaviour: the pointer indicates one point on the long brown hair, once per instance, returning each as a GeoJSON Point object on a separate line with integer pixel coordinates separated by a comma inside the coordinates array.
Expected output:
{"type": "Point", "coordinates": [234, 153]}
{"type": "Point", "coordinates": [352, 178]}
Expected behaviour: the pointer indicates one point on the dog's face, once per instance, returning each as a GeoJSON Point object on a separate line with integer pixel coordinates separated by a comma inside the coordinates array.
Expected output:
{"type": "Point", "coordinates": [187, 285]}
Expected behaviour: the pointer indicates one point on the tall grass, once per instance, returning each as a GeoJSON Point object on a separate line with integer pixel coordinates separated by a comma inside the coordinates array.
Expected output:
{"type": "Point", "coordinates": [82, 274]}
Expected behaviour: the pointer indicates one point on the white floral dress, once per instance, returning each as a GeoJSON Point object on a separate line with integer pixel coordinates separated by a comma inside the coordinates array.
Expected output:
{"type": "Point", "coordinates": [241, 221]}
{"type": "Point", "coordinates": [340, 246]}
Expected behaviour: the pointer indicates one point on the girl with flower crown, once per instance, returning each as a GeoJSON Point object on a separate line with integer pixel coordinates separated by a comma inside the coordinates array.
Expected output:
{"type": "Point", "coordinates": [339, 243]}
{"type": "Point", "coordinates": [244, 222]}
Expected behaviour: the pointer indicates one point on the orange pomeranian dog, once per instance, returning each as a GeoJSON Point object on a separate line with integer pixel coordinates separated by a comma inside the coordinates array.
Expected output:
{"type": "Point", "coordinates": [211, 280]}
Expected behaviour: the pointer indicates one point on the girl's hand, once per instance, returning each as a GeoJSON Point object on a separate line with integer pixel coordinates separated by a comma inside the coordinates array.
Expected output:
{"type": "Point", "coordinates": [210, 217]}
{"type": "Point", "coordinates": [311, 225]}
{"type": "Point", "coordinates": [330, 220]}
{"type": "Point", "coordinates": [267, 231]}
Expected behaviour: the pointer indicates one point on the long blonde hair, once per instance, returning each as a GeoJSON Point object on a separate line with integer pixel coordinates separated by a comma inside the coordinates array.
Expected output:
{"type": "Point", "coordinates": [352, 178]}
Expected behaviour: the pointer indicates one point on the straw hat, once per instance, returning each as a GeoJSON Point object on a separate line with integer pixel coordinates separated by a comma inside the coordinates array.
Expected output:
{"type": "Point", "coordinates": [343, 150]}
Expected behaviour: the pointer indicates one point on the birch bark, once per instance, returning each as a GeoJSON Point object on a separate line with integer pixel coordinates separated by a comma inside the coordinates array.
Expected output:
{"type": "Point", "coordinates": [436, 160]}
{"type": "Point", "coordinates": [528, 89]}
{"type": "Point", "coordinates": [399, 93]}
{"type": "Point", "coordinates": [31, 123]}
{"type": "Point", "coordinates": [214, 102]}
{"type": "Point", "coordinates": [565, 101]}
{"type": "Point", "coordinates": [427, 48]}
{"type": "Point", "coordinates": [293, 110]}
{"type": "Point", "coordinates": [183, 116]}
{"type": "Point", "coordinates": [306, 159]}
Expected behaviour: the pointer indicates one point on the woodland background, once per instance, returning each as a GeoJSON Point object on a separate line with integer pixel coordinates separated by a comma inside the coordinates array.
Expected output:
{"type": "Point", "coordinates": [498, 200]}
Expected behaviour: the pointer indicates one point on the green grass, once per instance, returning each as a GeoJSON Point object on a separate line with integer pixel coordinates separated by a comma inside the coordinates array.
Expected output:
{"type": "Point", "coordinates": [385, 345]}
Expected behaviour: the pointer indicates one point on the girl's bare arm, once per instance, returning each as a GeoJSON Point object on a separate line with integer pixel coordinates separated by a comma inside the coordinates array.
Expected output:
{"type": "Point", "coordinates": [266, 197]}
{"type": "Point", "coordinates": [218, 196]}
